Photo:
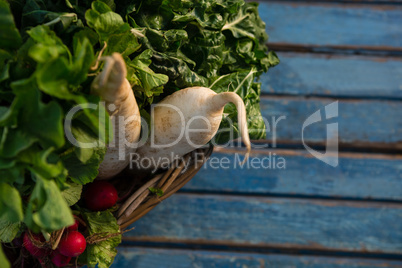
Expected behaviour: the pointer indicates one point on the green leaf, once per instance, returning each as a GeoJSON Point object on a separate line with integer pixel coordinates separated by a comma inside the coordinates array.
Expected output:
{"type": "Point", "coordinates": [4, 65]}
{"type": "Point", "coordinates": [8, 230]}
{"type": "Point", "coordinates": [80, 172]}
{"type": "Point", "coordinates": [43, 121]}
{"type": "Point", "coordinates": [104, 20]}
{"type": "Point", "coordinates": [53, 79]}
{"type": "Point", "coordinates": [72, 194]}
{"type": "Point", "coordinates": [101, 254]}
{"type": "Point", "coordinates": [10, 204]}
{"type": "Point", "coordinates": [6, 163]}
{"type": "Point", "coordinates": [58, 73]}
{"type": "Point", "coordinates": [82, 59]}
{"type": "Point", "coordinates": [14, 141]}
{"type": "Point", "coordinates": [242, 84]}
{"type": "Point", "coordinates": [148, 81]}
{"type": "Point", "coordinates": [47, 210]}
{"type": "Point", "coordinates": [241, 25]}
{"type": "Point", "coordinates": [14, 173]}
{"type": "Point", "coordinates": [156, 191]}
{"type": "Point", "coordinates": [39, 163]}
{"type": "Point", "coordinates": [48, 46]}
{"type": "Point", "coordinates": [3, 259]}
{"type": "Point", "coordinates": [125, 43]}
{"type": "Point", "coordinates": [9, 35]}
{"type": "Point", "coordinates": [83, 163]}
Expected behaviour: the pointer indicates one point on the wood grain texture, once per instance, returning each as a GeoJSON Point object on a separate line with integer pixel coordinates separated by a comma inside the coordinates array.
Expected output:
{"type": "Point", "coordinates": [335, 76]}
{"type": "Point", "coordinates": [360, 122]}
{"type": "Point", "coordinates": [333, 24]}
{"type": "Point", "coordinates": [355, 177]}
{"type": "Point", "coordinates": [273, 222]}
{"type": "Point", "coordinates": [139, 257]}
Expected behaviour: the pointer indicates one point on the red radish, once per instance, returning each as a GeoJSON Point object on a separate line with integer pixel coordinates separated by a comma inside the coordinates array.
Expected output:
{"type": "Point", "coordinates": [73, 227]}
{"type": "Point", "coordinates": [72, 244]}
{"type": "Point", "coordinates": [100, 195]}
{"type": "Point", "coordinates": [34, 250]}
{"type": "Point", "coordinates": [59, 260]}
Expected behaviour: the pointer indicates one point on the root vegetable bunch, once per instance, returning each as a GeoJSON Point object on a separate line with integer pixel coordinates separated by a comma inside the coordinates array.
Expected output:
{"type": "Point", "coordinates": [198, 108]}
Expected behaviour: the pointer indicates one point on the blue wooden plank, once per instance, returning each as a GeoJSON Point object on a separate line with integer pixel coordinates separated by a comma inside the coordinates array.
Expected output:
{"type": "Point", "coordinates": [361, 123]}
{"type": "Point", "coordinates": [335, 76]}
{"type": "Point", "coordinates": [333, 24]}
{"type": "Point", "coordinates": [273, 222]}
{"type": "Point", "coordinates": [167, 258]}
{"type": "Point", "coordinates": [358, 176]}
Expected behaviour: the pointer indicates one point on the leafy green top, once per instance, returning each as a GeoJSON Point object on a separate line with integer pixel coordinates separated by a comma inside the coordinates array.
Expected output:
{"type": "Point", "coordinates": [46, 50]}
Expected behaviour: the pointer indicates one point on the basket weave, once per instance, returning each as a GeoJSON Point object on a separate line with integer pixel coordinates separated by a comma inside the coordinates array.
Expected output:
{"type": "Point", "coordinates": [141, 200]}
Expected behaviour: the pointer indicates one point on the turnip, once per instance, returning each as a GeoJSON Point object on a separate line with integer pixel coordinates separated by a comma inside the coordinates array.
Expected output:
{"type": "Point", "coordinates": [113, 88]}
{"type": "Point", "coordinates": [72, 244]}
{"type": "Point", "coordinates": [59, 259]}
{"type": "Point", "coordinates": [100, 195]}
{"type": "Point", "coordinates": [187, 120]}
{"type": "Point", "coordinates": [30, 246]}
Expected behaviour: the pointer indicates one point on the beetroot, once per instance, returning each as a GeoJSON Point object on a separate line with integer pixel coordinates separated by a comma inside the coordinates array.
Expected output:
{"type": "Point", "coordinates": [34, 250]}
{"type": "Point", "coordinates": [72, 244]}
{"type": "Point", "coordinates": [58, 259]}
{"type": "Point", "coordinates": [100, 195]}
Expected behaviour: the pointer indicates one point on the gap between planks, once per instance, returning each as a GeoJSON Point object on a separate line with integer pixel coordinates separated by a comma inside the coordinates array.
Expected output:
{"type": "Point", "coordinates": [128, 253]}
{"type": "Point", "coordinates": [349, 50]}
{"type": "Point", "coordinates": [222, 246]}
{"type": "Point", "coordinates": [326, 202]}
{"type": "Point", "coordinates": [293, 97]}
{"type": "Point", "coordinates": [157, 257]}
{"type": "Point", "coordinates": [357, 148]}
{"type": "Point", "coordinates": [323, 96]}
{"type": "Point", "coordinates": [318, 198]}
{"type": "Point", "coordinates": [289, 152]}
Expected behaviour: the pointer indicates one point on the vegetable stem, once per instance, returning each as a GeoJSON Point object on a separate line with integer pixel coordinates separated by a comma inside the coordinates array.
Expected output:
{"type": "Point", "coordinates": [46, 235]}
{"type": "Point", "coordinates": [58, 19]}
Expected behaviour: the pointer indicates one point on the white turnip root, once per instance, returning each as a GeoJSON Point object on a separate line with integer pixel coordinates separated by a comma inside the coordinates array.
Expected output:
{"type": "Point", "coordinates": [185, 121]}
{"type": "Point", "coordinates": [113, 88]}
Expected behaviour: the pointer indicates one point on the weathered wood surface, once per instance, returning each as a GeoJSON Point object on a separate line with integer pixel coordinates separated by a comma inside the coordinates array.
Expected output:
{"type": "Point", "coordinates": [167, 258]}
{"type": "Point", "coordinates": [335, 76]}
{"type": "Point", "coordinates": [308, 208]}
{"type": "Point", "coordinates": [273, 222]}
{"type": "Point", "coordinates": [323, 24]}
{"type": "Point", "coordinates": [364, 123]}
{"type": "Point", "coordinates": [358, 176]}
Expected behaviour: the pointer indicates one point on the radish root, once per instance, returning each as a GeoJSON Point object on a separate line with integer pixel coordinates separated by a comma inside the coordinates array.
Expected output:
{"type": "Point", "coordinates": [220, 100]}
{"type": "Point", "coordinates": [199, 107]}
{"type": "Point", "coordinates": [113, 88]}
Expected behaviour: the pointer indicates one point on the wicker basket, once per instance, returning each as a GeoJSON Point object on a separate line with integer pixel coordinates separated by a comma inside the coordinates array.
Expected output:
{"type": "Point", "coordinates": [140, 200]}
